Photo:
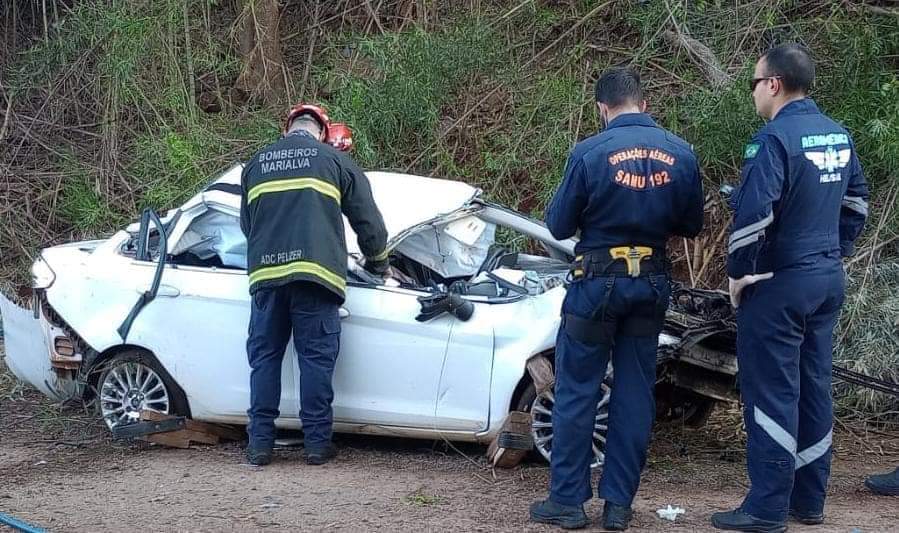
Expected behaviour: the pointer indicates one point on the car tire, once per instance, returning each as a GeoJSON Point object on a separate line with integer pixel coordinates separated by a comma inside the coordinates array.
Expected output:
{"type": "Point", "coordinates": [697, 412]}
{"type": "Point", "coordinates": [541, 424]}
{"type": "Point", "coordinates": [682, 406]}
{"type": "Point", "coordinates": [134, 380]}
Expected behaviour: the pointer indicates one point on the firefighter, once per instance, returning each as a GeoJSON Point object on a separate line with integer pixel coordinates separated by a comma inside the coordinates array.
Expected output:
{"type": "Point", "coordinates": [626, 190]}
{"type": "Point", "coordinates": [294, 194]}
{"type": "Point", "coordinates": [801, 204]}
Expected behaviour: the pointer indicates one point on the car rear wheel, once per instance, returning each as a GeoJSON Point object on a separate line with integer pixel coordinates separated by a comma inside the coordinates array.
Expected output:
{"type": "Point", "coordinates": [133, 381]}
{"type": "Point", "coordinates": [541, 409]}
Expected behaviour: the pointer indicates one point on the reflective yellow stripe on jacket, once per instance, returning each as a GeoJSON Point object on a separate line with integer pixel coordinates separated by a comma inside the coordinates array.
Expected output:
{"type": "Point", "coordinates": [298, 267]}
{"type": "Point", "coordinates": [292, 184]}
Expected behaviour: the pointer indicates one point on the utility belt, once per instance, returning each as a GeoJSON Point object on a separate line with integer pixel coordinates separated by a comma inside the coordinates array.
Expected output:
{"type": "Point", "coordinates": [633, 261]}
{"type": "Point", "coordinates": [601, 327]}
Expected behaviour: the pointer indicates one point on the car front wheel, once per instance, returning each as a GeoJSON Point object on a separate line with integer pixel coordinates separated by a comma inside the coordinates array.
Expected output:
{"type": "Point", "coordinates": [133, 381]}
{"type": "Point", "coordinates": [541, 409]}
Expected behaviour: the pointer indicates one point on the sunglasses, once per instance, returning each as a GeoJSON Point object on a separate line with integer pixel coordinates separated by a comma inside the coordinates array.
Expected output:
{"type": "Point", "coordinates": [755, 81]}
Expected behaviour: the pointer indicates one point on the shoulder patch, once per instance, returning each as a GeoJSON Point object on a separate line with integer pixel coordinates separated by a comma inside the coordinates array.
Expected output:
{"type": "Point", "coordinates": [751, 150]}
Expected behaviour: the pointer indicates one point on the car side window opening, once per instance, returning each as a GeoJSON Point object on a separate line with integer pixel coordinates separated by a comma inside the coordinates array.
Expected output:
{"type": "Point", "coordinates": [130, 246]}
{"type": "Point", "coordinates": [213, 239]}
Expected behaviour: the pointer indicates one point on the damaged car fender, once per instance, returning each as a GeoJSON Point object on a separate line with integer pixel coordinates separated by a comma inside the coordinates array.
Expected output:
{"type": "Point", "coordinates": [536, 324]}
{"type": "Point", "coordinates": [90, 279]}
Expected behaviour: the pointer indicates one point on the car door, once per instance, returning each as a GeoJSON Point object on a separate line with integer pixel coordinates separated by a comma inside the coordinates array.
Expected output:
{"type": "Point", "coordinates": [204, 319]}
{"type": "Point", "coordinates": [197, 325]}
{"type": "Point", "coordinates": [464, 393]}
{"type": "Point", "coordinates": [389, 367]}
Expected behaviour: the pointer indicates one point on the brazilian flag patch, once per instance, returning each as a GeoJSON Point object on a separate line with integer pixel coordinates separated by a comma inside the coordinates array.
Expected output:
{"type": "Point", "coordinates": [752, 149]}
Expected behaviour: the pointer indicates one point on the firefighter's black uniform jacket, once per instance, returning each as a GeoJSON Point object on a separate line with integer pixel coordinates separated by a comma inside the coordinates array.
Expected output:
{"type": "Point", "coordinates": [293, 193]}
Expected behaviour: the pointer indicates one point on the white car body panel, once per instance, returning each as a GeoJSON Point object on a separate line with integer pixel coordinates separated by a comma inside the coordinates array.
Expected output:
{"type": "Point", "coordinates": [389, 365]}
{"type": "Point", "coordinates": [463, 396]}
{"type": "Point", "coordinates": [212, 368]}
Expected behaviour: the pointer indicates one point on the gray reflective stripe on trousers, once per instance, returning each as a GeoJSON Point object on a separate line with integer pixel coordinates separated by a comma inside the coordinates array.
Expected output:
{"type": "Point", "coordinates": [775, 431]}
{"type": "Point", "coordinates": [788, 443]}
{"type": "Point", "coordinates": [748, 234]}
{"type": "Point", "coordinates": [856, 203]}
{"type": "Point", "coordinates": [815, 451]}
{"type": "Point", "coordinates": [746, 241]}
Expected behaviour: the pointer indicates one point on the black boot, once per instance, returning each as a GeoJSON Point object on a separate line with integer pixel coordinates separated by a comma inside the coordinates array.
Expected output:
{"type": "Point", "coordinates": [737, 520]}
{"type": "Point", "coordinates": [885, 484]}
{"type": "Point", "coordinates": [566, 516]}
{"type": "Point", "coordinates": [320, 455]}
{"type": "Point", "coordinates": [259, 456]}
{"type": "Point", "coordinates": [615, 517]}
{"type": "Point", "coordinates": [809, 519]}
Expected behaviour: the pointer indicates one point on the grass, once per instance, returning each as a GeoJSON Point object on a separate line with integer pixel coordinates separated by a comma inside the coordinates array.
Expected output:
{"type": "Point", "coordinates": [81, 204]}
{"type": "Point", "coordinates": [10, 388]}
{"type": "Point", "coordinates": [420, 498]}
{"type": "Point", "coordinates": [395, 103]}
{"type": "Point", "coordinates": [868, 339]}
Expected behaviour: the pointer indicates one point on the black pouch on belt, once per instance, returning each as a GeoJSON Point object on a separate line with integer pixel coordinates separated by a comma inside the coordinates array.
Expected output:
{"type": "Point", "coordinates": [599, 328]}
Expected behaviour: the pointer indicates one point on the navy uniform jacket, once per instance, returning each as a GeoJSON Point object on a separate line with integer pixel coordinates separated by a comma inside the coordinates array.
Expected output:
{"type": "Point", "coordinates": [802, 193]}
{"type": "Point", "coordinates": [632, 184]}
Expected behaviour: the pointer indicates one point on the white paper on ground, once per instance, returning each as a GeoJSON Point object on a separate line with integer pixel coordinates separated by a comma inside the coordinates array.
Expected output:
{"type": "Point", "coordinates": [670, 513]}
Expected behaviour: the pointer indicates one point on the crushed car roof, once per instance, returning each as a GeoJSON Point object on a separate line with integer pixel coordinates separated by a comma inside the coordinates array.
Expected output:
{"type": "Point", "coordinates": [403, 199]}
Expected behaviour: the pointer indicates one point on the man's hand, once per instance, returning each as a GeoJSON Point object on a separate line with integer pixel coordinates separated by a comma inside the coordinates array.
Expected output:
{"type": "Point", "coordinates": [735, 286]}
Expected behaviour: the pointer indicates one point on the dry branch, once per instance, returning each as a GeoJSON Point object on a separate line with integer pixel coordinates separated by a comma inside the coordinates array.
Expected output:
{"type": "Point", "coordinates": [6, 116]}
{"type": "Point", "coordinates": [876, 10]}
{"type": "Point", "coordinates": [701, 54]}
{"type": "Point", "coordinates": [257, 28]}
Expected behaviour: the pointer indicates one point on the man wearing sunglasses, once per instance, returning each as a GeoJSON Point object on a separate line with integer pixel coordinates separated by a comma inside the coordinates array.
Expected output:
{"type": "Point", "coordinates": [800, 206]}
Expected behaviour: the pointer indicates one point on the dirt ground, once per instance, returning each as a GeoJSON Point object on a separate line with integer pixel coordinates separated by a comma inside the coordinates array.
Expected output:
{"type": "Point", "coordinates": [60, 470]}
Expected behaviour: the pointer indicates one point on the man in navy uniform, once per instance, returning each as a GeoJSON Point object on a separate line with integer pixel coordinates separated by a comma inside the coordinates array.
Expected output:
{"type": "Point", "coordinates": [294, 195]}
{"type": "Point", "coordinates": [800, 206]}
{"type": "Point", "coordinates": [627, 190]}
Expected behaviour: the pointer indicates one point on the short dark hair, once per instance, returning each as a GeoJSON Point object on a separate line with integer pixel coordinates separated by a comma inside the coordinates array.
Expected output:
{"type": "Point", "coordinates": [793, 64]}
{"type": "Point", "coordinates": [308, 118]}
{"type": "Point", "coordinates": [618, 86]}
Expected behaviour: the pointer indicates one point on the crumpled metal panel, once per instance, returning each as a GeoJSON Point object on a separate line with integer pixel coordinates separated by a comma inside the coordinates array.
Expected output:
{"type": "Point", "coordinates": [27, 354]}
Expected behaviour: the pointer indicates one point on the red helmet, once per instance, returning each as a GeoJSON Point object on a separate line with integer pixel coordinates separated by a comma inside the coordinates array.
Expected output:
{"type": "Point", "coordinates": [340, 136]}
{"type": "Point", "coordinates": [317, 112]}
{"type": "Point", "coordinates": [337, 134]}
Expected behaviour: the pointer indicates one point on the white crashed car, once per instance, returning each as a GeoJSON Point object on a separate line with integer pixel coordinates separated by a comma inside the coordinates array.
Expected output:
{"type": "Point", "coordinates": [121, 323]}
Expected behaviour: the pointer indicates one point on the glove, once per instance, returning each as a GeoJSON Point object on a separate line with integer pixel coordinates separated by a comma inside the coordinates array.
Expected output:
{"type": "Point", "coordinates": [735, 286]}
{"type": "Point", "coordinates": [378, 268]}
